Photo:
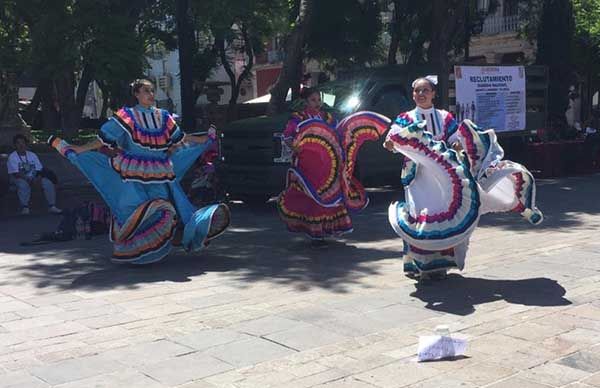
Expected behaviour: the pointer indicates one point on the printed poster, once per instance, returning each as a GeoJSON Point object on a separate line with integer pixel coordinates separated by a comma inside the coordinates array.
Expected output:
{"type": "Point", "coordinates": [491, 96]}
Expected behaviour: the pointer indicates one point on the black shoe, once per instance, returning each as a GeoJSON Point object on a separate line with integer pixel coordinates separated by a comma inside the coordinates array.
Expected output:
{"type": "Point", "coordinates": [434, 275]}
{"type": "Point", "coordinates": [318, 243]}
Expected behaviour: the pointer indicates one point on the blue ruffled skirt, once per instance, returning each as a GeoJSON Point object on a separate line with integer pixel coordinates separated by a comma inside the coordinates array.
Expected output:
{"type": "Point", "coordinates": [146, 215]}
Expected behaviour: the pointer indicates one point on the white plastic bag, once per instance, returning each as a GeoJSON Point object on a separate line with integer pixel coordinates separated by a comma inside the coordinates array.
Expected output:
{"type": "Point", "coordinates": [438, 347]}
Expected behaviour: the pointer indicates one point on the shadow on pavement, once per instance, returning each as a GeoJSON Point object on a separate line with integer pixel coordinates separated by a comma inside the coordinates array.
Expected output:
{"type": "Point", "coordinates": [256, 248]}
{"type": "Point", "coordinates": [304, 268]}
{"type": "Point", "coordinates": [459, 295]}
{"type": "Point", "coordinates": [259, 248]}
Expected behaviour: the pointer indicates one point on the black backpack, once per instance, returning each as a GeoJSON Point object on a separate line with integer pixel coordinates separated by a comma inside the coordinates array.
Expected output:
{"type": "Point", "coordinates": [89, 219]}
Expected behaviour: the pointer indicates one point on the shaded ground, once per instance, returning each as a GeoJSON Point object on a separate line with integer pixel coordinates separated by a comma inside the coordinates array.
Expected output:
{"type": "Point", "coordinates": [261, 308]}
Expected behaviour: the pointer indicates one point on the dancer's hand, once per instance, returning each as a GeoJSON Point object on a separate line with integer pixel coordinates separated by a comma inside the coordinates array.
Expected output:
{"type": "Point", "coordinates": [212, 132]}
{"type": "Point", "coordinates": [456, 146]}
{"type": "Point", "coordinates": [290, 144]}
{"type": "Point", "coordinates": [172, 149]}
{"type": "Point", "coordinates": [195, 139]}
{"type": "Point", "coordinates": [91, 146]}
{"type": "Point", "coordinates": [389, 145]}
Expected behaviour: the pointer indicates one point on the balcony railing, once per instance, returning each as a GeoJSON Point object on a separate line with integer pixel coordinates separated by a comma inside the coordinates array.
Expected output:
{"type": "Point", "coordinates": [500, 24]}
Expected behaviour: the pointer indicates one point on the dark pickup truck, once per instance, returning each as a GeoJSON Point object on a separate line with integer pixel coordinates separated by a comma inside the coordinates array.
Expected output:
{"type": "Point", "coordinates": [252, 167]}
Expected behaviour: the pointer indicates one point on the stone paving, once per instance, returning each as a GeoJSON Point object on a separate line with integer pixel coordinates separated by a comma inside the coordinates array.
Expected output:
{"type": "Point", "coordinates": [259, 308]}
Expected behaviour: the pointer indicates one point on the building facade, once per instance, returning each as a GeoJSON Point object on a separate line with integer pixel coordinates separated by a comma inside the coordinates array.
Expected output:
{"type": "Point", "coordinates": [499, 41]}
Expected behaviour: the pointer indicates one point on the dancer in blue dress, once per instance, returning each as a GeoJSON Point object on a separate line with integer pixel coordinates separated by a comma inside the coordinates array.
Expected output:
{"type": "Point", "coordinates": [141, 182]}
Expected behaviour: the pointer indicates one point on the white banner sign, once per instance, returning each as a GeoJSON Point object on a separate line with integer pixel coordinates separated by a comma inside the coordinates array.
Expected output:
{"type": "Point", "coordinates": [491, 96]}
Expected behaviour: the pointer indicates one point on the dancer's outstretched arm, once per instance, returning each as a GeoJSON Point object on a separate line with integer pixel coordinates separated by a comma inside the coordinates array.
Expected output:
{"type": "Point", "coordinates": [195, 139]}
{"type": "Point", "coordinates": [188, 139]}
{"type": "Point", "coordinates": [93, 145]}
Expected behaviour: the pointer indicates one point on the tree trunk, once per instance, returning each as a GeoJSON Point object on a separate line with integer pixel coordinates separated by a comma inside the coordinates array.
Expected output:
{"type": "Point", "coordinates": [70, 117]}
{"type": "Point", "coordinates": [235, 89]}
{"type": "Point", "coordinates": [438, 50]}
{"type": "Point", "coordinates": [246, 73]}
{"type": "Point", "coordinates": [105, 99]}
{"type": "Point", "coordinates": [198, 88]}
{"type": "Point", "coordinates": [554, 42]}
{"type": "Point", "coordinates": [50, 114]}
{"type": "Point", "coordinates": [186, 70]}
{"type": "Point", "coordinates": [467, 32]}
{"type": "Point", "coordinates": [395, 35]}
{"type": "Point", "coordinates": [31, 111]}
{"type": "Point", "coordinates": [293, 59]}
{"type": "Point", "coordinates": [9, 101]}
{"type": "Point", "coordinates": [446, 17]}
{"type": "Point", "coordinates": [236, 82]}
{"type": "Point", "coordinates": [297, 79]}
{"type": "Point", "coordinates": [394, 44]}
{"type": "Point", "coordinates": [87, 77]}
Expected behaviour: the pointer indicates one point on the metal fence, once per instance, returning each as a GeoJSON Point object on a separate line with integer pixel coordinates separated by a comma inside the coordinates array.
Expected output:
{"type": "Point", "coordinates": [500, 24]}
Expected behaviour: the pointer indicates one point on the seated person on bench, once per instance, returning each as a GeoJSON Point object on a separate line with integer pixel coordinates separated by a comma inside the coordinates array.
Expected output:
{"type": "Point", "coordinates": [24, 169]}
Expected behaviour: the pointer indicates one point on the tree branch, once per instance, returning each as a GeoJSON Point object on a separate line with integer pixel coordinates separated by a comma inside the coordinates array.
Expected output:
{"type": "Point", "coordinates": [220, 45]}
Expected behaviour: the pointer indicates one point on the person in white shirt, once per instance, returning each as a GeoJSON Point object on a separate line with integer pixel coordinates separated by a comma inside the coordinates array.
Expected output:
{"type": "Point", "coordinates": [24, 169]}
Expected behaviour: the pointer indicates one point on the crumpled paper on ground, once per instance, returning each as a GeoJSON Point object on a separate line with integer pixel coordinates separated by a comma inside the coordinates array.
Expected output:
{"type": "Point", "coordinates": [437, 347]}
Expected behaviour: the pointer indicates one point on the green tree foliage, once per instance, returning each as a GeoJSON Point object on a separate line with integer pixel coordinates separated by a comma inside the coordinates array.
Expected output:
{"type": "Point", "coordinates": [114, 48]}
{"type": "Point", "coordinates": [233, 31]}
{"type": "Point", "coordinates": [587, 20]}
{"type": "Point", "coordinates": [338, 33]}
{"type": "Point", "coordinates": [567, 34]}
{"type": "Point", "coordinates": [587, 38]}
{"type": "Point", "coordinates": [412, 26]}
{"type": "Point", "coordinates": [434, 32]}
{"type": "Point", "coordinates": [408, 32]}
{"type": "Point", "coordinates": [587, 48]}
{"type": "Point", "coordinates": [67, 44]}
{"type": "Point", "coordinates": [15, 48]}
{"type": "Point", "coordinates": [301, 16]}
{"type": "Point", "coordinates": [345, 33]}
{"type": "Point", "coordinates": [15, 43]}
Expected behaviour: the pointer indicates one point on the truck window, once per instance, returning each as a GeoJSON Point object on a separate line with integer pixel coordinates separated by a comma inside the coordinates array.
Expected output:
{"type": "Point", "coordinates": [390, 100]}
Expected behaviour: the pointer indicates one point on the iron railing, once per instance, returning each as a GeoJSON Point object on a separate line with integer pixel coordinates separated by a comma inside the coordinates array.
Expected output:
{"type": "Point", "coordinates": [500, 24]}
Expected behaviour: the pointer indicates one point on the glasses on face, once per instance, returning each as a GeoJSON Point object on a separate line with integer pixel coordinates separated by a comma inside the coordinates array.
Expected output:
{"type": "Point", "coordinates": [422, 91]}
